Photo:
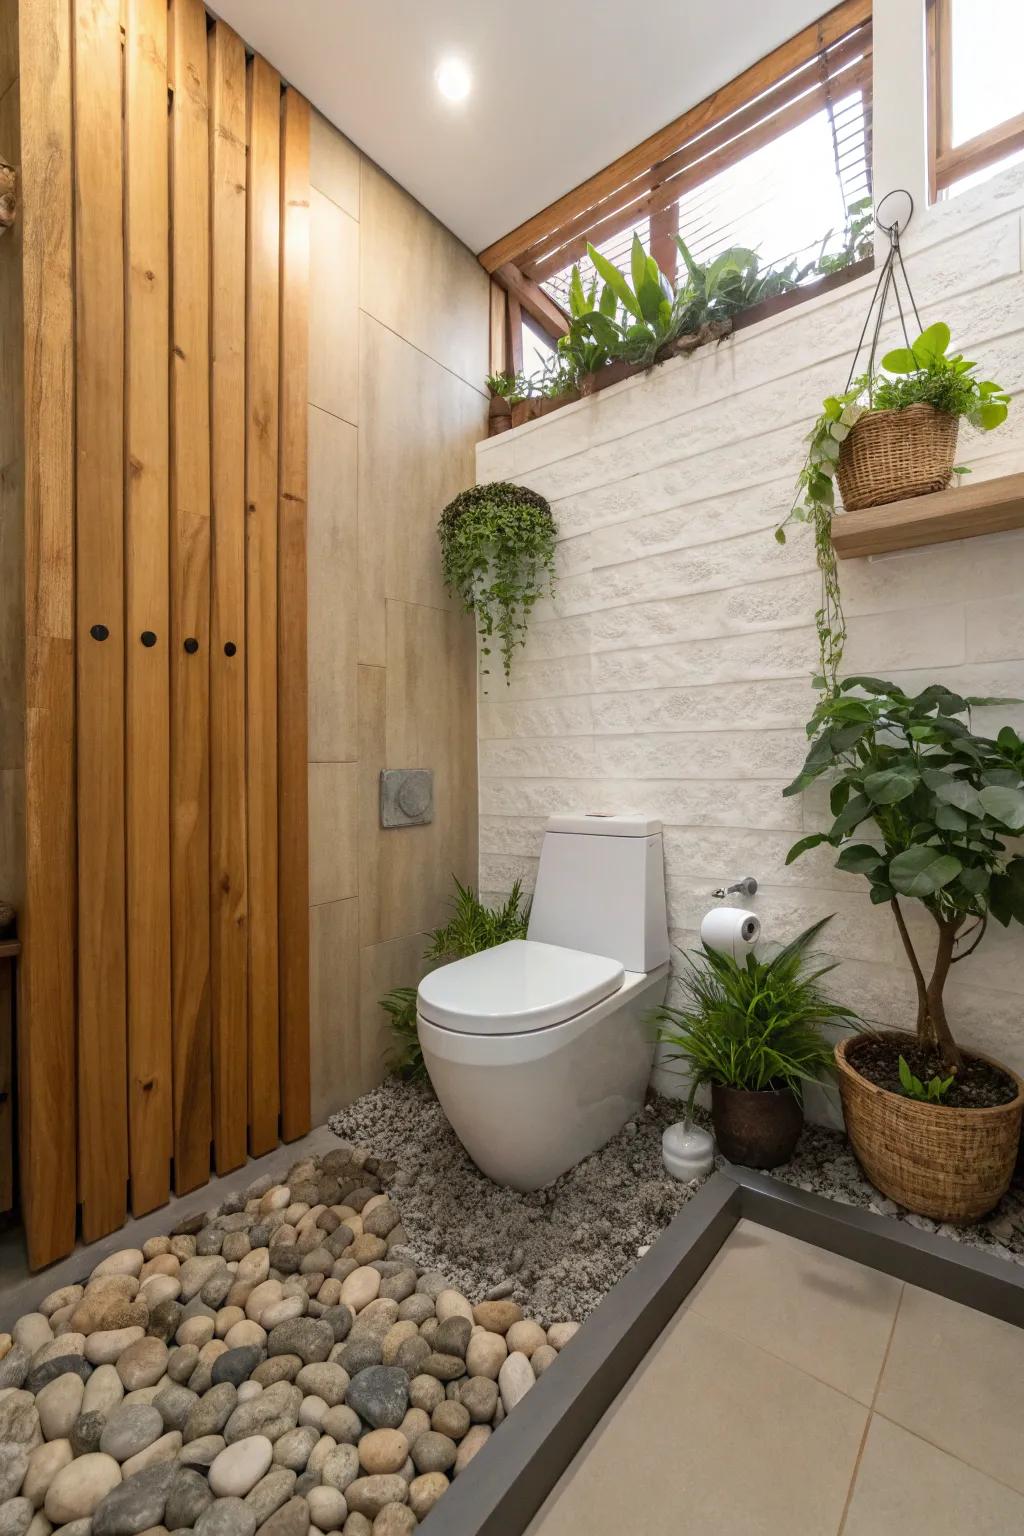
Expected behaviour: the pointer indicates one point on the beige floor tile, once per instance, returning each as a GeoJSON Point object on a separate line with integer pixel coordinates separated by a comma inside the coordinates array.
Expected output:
{"type": "Point", "coordinates": [956, 1377]}
{"type": "Point", "coordinates": [332, 609]}
{"type": "Point", "coordinates": [712, 1435]}
{"type": "Point", "coordinates": [420, 281]}
{"type": "Point", "coordinates": [334, 1025]}
{"type": "Point", "coordinates": [825, 1314]}
{"type": "Point", "coordinates": [334, 308]}
{"type": "Point", "coordinates": [905, 1487]}
{"type": "Point", "coordinates": [333, 852]}
{"type": "Point", "coordinates": [333, 165]}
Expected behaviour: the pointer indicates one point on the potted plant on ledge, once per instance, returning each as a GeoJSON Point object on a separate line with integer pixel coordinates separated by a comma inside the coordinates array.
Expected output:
{"type": "Point", "coordinates": [752, 1031]}
{"type": "Point", "coordinates": [923, 808]}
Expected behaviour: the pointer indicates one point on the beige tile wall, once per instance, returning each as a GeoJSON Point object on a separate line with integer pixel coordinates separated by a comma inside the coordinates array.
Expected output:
{"type": "Point", "coordinates": [398, 354]}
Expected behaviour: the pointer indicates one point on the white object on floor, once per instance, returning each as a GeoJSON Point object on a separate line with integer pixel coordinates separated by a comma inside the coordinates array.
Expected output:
{"type": "Point", "coordinates": [687, 1151]}
{"type": "Point", "coordinates": [730, 931]}
{"type": "Point", "coordinates": [540, 1050]}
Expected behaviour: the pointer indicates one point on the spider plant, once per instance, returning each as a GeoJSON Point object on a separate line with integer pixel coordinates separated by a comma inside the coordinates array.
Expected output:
{"type": "Point", "coordinates": [755, 1024]}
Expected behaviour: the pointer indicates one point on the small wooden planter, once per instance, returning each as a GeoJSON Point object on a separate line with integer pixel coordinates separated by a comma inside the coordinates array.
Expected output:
{"type": "Point", "coordinates": [890, 455]}
{"type": "Point", "coordinates": [951, 1164]}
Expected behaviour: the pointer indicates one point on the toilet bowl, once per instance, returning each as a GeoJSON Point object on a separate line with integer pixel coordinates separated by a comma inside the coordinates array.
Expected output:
{"type": "Point", "coordinates": [541, 1049]}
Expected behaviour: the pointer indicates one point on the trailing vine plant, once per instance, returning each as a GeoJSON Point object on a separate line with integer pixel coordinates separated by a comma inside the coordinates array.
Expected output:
{"type": "Point", "coordinates": [498, 555]}
{"type": "Point", "coordinates": [922, 373]}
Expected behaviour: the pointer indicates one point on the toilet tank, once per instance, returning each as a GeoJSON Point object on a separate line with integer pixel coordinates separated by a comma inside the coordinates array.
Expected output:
{"type": "Point", "coordinates": [601, 888]}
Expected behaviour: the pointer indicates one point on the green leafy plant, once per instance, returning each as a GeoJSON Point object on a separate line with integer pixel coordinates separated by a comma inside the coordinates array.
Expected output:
{"type": "Point", "coordinates": [472, 927]}
{"type": "Point", "coordinates": [755, 1024]}
{"type": "Point", "coordinates": [498, 555]}
{"type": "Point", "coordinates": [858, 240]}
{"type": "Point", "coordinates": [734, 281]}
{"type": "Point", "coordinates": [931, 1092]}
{"type": "Point", "coordinates": [938, 803]}
{"type": "Point", "coordinates": [922, 373]}
{"type": "Point", "coordinates": [504, 385]}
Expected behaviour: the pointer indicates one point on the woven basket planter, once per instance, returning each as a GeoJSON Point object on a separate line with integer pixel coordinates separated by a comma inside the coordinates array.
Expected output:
{"type": "Point", "coordinates": [889, 455]}
{"type": "Point", "coordinates": [951, 1164]}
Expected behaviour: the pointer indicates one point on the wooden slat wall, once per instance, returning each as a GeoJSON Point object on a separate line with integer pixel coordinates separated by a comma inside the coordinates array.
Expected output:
{"type": "Point", "coordinates": [262, 360]}
{"type": "Point", "coordinates": [165, 297]}
{"type": "Point", "coordinates": [190, 595]}
{"type": "Point", "coordinates": [228, 935]}
{"type": "Point", "coordinates": [148, 618]}
{"type": "Point", "coordinates": [292, 684]}
{"type": "Point", "coordinates": [46, 1054]}
{"type": "Point", "coordinates": [99, 574]}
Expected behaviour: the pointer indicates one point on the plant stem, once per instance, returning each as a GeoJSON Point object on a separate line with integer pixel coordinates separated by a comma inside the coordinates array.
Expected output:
{"type": "Point", "coordinates": [936, 1009]}
{"type": "Point", "coordinates": [915, 966]}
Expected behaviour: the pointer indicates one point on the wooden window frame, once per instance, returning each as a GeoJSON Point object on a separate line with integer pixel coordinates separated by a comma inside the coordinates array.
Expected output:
{"type": "Point", "coordinates": [949, 162]}
{"type": "Point", "coordinates": [648, 180]}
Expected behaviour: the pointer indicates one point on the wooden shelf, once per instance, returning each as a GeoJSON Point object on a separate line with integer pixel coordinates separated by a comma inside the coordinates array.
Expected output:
{"type": "Point", "coordinates": [988, 506]}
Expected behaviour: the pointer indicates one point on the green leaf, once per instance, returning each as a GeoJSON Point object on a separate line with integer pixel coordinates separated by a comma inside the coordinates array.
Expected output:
{"type": "Point", "coordinates": [900, 360]}
{"type": "Point", "coordinates": [860, 858]}
{"type": "Point", "coordinates": [950, 819]}
{"type": "Point", "coordinates": [907, 1077]}
{"type": "Point", "coordinates": [858, 809]}
{"type": "Point", "coordinates": [930, 346]}
{"type": "Point", "coordinates": [813, 841]}
{"type": "Point", "coordinates": [880, 893]}
{"type": "Point", "coordinates": [615, 281]}
{"type": "Point", "coordinates": [1004, 804]}
{"type": "Point", "coordinates": [975, 879]}
{"type": "Point", "coordinates": [1006, 894]}
{"type": "Point", "coordinates": [952, 791]}
{"type": "Point", "coordinates": [921, 870]}
{"type": "Point", "coordinates": [891, 785]}
{"type": "Point", "coordinates": [989, 415]}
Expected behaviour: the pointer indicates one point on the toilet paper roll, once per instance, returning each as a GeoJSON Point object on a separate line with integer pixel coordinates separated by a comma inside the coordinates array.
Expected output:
{"type": "Point", "coordinates": [731, 931]}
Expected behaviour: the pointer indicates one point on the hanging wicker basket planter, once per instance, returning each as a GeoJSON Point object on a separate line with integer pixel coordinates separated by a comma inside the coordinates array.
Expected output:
{"type": "Point", "coordinates": [890, 455]}
{"type": "Point", "coordinates": [950, 1164]}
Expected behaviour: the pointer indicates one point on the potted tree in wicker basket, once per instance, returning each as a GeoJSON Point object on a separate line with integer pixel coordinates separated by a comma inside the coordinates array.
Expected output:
{"type": "Point", "coordinates": [923, 808]}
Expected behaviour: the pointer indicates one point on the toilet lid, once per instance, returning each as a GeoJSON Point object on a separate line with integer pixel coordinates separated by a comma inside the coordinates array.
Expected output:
{"type": "Point", "coordinates": [517, 986]}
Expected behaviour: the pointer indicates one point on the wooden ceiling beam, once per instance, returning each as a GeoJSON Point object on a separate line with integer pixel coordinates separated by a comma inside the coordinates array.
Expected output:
{"type": "Point", "coordinates": [532, 298]}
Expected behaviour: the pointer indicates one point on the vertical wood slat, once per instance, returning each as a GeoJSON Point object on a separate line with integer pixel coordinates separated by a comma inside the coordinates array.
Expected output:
{"type": "Point", "coordinates": [99, 577]}
{"type": "Point", "coordinates": [46, 1053]}
{"type": "Point", "coordinates": [147, 600]}
{"type": "Point", "coordinates": [190, 594]}
{"type": "Point", "coordinates": [262, 301]}
{"type": "Point", "coordinates": [228, 933]}
{"type": "Point", "coordinates": [292, 677]}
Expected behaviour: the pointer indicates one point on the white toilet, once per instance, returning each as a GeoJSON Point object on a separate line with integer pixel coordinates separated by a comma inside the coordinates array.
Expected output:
{"type": "Point", "coordinates": [541, 1049]}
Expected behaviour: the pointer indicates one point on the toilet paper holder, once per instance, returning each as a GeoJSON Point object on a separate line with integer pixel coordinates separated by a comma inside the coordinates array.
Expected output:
{"type": "Point", "coordinates": [745, 887]}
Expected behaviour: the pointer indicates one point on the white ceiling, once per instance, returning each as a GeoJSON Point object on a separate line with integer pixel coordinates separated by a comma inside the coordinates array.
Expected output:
{"type": "Point", "coordinates": [560, 87]}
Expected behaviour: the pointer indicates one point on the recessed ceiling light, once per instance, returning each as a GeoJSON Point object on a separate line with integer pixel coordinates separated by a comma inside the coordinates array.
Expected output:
{"type": "Point", "coordinates": [453, 79]}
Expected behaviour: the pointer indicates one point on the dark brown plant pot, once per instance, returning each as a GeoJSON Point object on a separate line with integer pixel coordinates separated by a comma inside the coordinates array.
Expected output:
{"type": "Point", "coordinates": [759, 1130]}
{"type": "Point", "coordinates": [499, 416]}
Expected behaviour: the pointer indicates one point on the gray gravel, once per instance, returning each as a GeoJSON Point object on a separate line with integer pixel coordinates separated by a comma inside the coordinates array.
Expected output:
{"type": "Point", "coordinates": [560, 1250]}
{"type": "Point", "coordinates": [557, 1251]}
{"type": "Point", "coordinates": [825, 1165]}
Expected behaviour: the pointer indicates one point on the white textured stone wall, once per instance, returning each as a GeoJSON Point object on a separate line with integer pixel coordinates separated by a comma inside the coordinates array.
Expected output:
{"type": "Point", "coordinates": [671, 672]}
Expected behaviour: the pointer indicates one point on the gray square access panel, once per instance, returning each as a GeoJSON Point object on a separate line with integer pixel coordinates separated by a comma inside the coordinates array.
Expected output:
{"type": "Point", "coordinates": [406, 797]}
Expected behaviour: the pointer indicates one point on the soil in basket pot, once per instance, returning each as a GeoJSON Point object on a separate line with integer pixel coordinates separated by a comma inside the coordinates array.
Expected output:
{"type": "Point", "coordinates": [978, 1084]}
{"type": "Point", "coordinates": [758, 1130]}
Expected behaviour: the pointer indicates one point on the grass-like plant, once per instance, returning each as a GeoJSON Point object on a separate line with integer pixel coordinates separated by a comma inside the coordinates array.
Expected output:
{"type": "Point", "coordinates": [754, 1024]}
{"type": "Point", "coordinates": [498, 555]}
{"type": "Point", "coordinates": [472, 927]}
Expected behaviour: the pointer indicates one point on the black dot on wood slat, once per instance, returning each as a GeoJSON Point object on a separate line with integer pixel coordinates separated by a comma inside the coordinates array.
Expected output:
{"type": "Point", "coordinates": [230, 648]}
{"type": "Point", "coordinates": [148, 638]}
{"type": "Point", "coordinates": [191, 645]}
{"type": "Point", "coordinates": [99, 631]}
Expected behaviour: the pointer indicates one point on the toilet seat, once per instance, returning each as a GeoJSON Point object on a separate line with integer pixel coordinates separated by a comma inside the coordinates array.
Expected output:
{"type": "Point", "coordinates": [517, 987]}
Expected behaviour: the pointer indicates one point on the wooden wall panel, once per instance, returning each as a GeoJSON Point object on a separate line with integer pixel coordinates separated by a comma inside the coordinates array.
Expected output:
{"type": "Point", "coordinates": [228, 934]}
{"type": "Point", "coordinates": [99, 575]}
{"type": "Point", "coordinates": [148, 617]}
{"type": "Point", "coordinates": [262, 358]}
{"type": "Point", "coordinates": [190, 595]}
{"type": "Point", "coordinates": [46, 1052]}
{"type": "Point", "coordinates": [292, 679]}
